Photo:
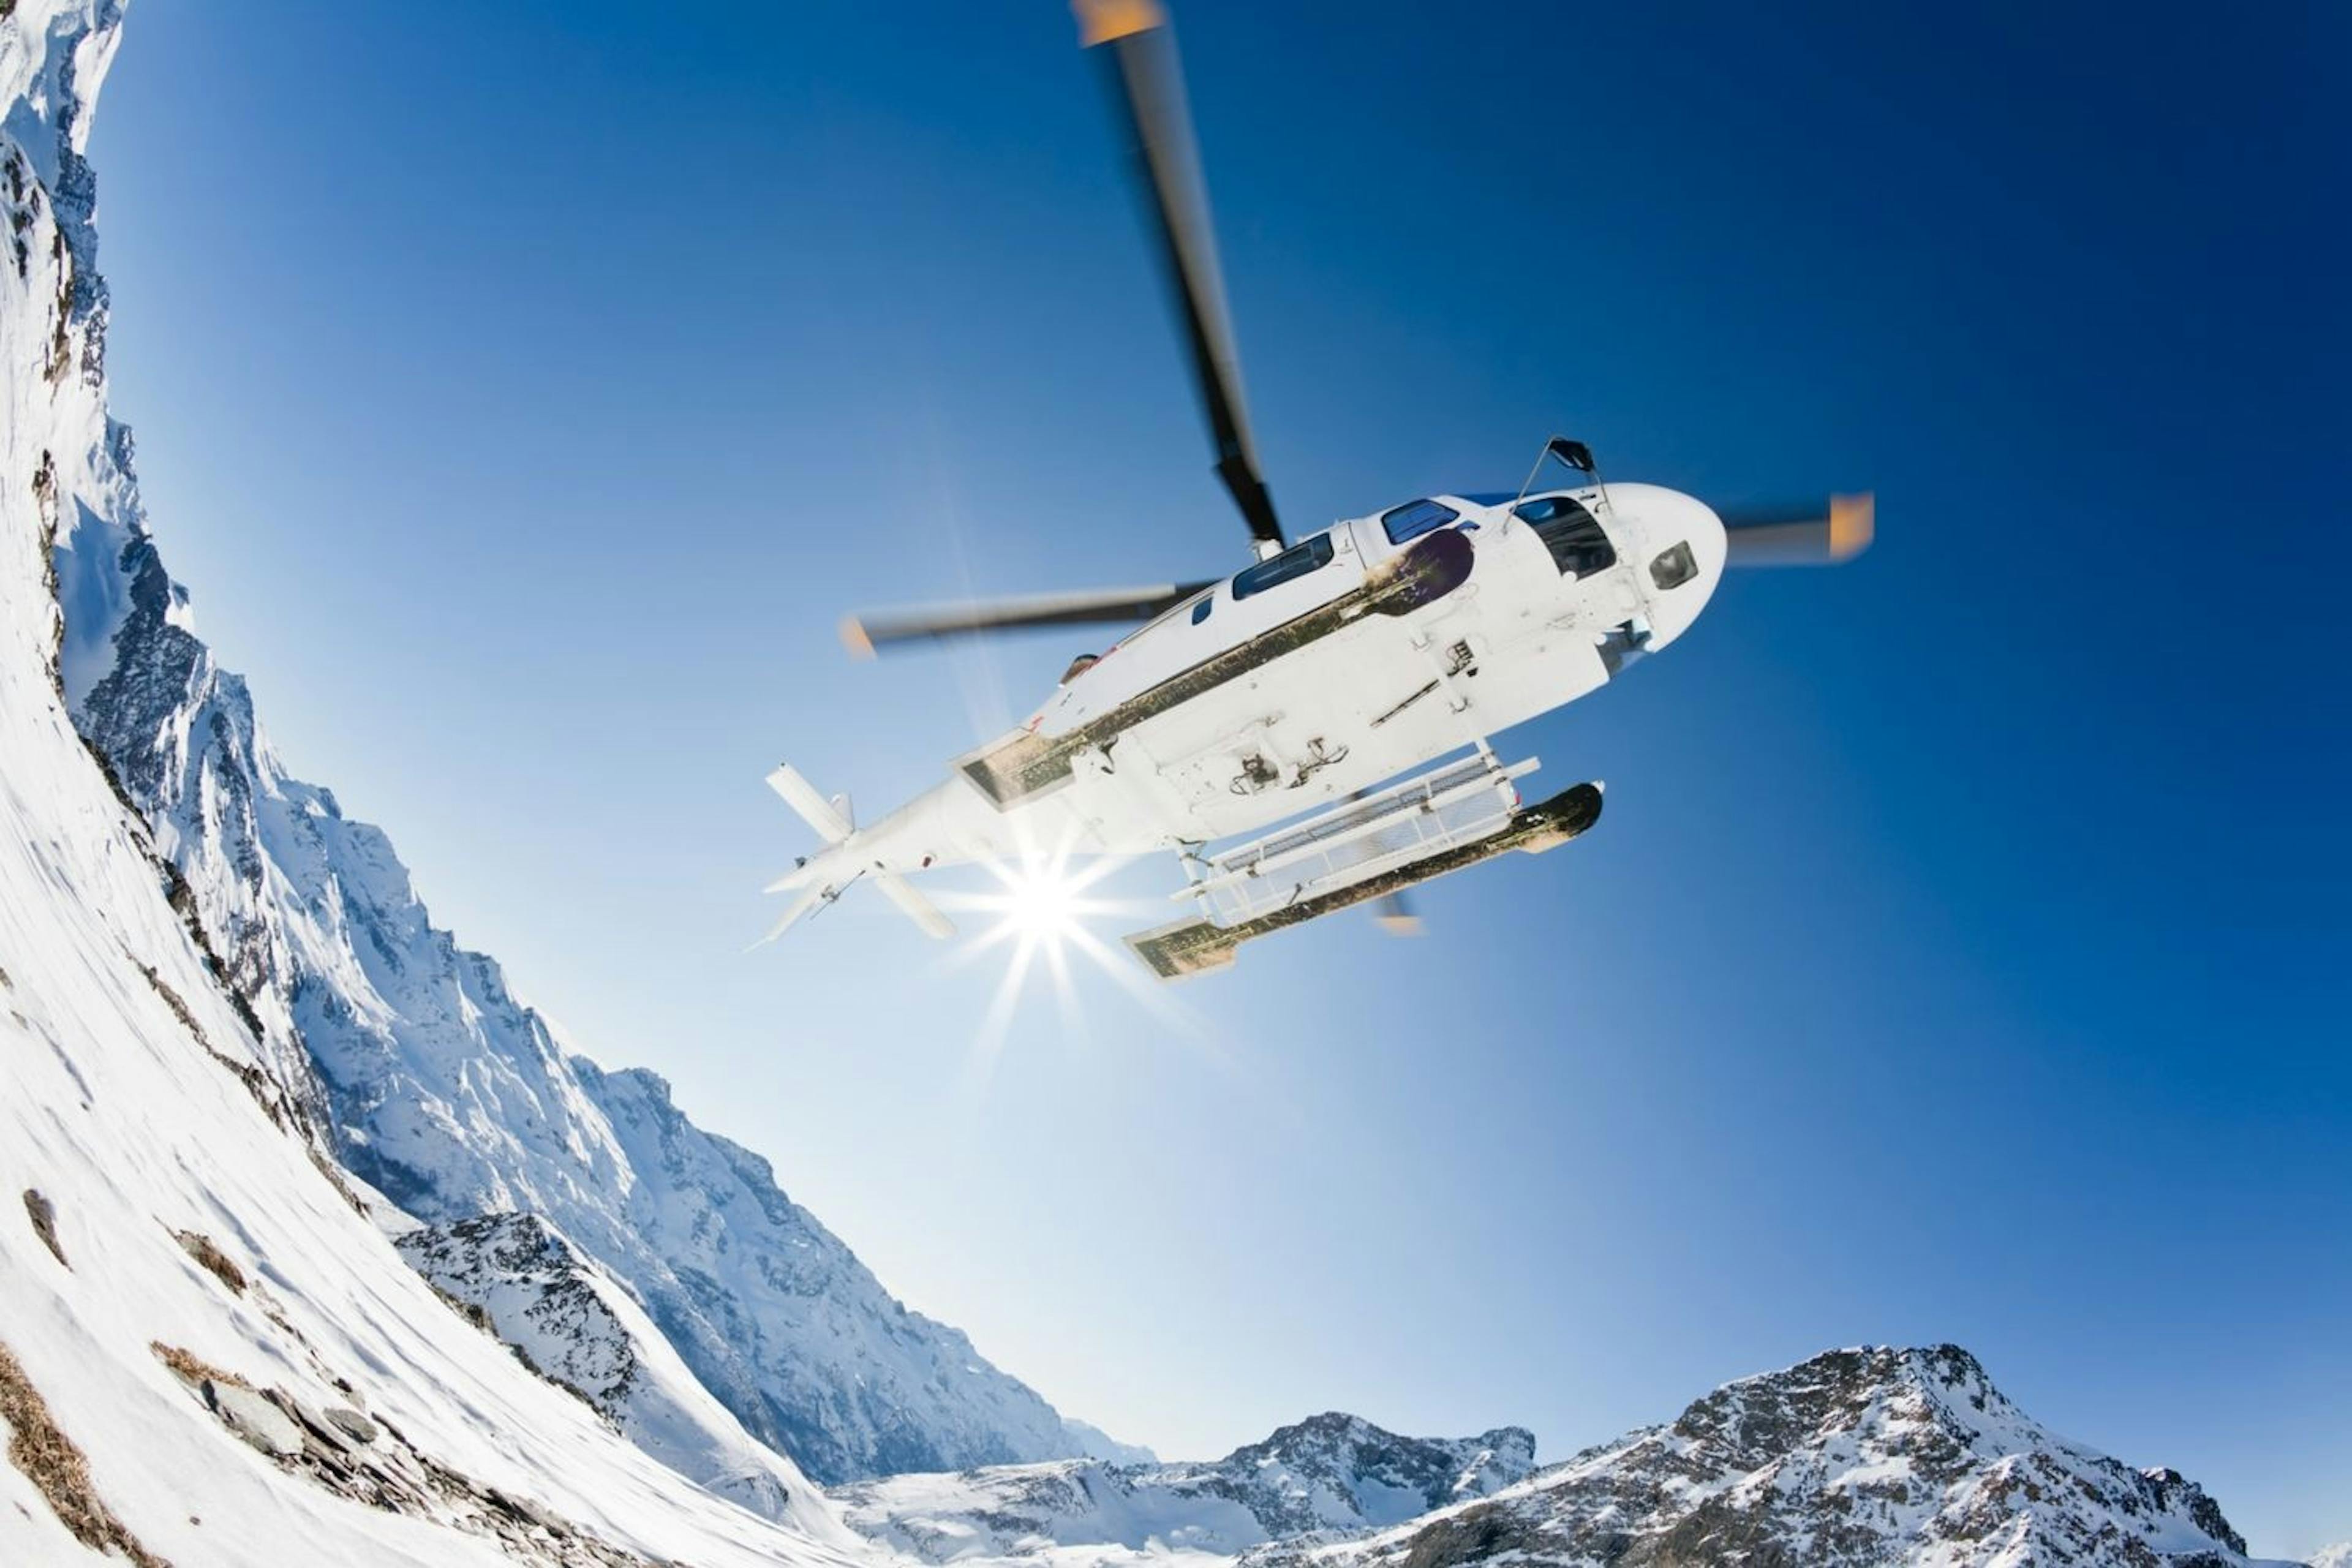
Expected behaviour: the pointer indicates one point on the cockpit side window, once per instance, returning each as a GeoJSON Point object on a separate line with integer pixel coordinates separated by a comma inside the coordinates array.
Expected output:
{"type": "Point", "coordinates": [1414, 519]}
{"type": "Point", "coordinates": [1295, 562]}
{"type": "Point", "coordinates": [1579, 546]}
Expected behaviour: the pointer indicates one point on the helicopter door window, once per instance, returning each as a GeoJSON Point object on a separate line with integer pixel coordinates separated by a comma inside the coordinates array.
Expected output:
{"type": "Point", "coordinates": [1295, 562]}
{"type": "Point", "coordinates": [1200, 611]}
{"type": "Point", "coordinates": [1579, 546]}
{"type": "Point", "coordinates": [1414, 519]}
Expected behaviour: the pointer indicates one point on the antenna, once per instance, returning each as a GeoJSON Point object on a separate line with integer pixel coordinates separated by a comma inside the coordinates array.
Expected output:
{"type": "Point", "coordinates": [1573, 454]}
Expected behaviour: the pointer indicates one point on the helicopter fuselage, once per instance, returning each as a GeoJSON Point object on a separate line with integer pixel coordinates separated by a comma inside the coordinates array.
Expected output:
{"type": "Point", "coordinates": [1351, 657]}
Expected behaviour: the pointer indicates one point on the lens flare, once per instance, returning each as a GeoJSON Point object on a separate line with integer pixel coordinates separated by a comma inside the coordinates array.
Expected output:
{"type": "Point", "coordinates": [1041, 904]}
{"type": "Point", "coordinates": [1039, 913]}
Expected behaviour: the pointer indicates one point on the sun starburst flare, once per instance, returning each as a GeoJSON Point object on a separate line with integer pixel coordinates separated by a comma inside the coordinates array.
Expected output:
{"type": "Point", "coordinates": [1038, 914]}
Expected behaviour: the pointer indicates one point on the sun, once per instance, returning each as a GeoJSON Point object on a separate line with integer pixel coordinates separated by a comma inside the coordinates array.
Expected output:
{"type": "Point", "coordinates": [1043, 904]}
{"type": "Point", "coordinates": [1040, 916]}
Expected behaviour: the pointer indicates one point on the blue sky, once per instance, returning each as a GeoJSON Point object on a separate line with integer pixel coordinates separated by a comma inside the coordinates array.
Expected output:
{"type": "Point", "coordinates": [525, 391]}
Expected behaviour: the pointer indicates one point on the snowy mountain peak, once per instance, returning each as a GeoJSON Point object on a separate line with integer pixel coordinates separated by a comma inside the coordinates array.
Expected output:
{"type": "Point", "coordinates": [1865, 1455]}
{"type": "Point", "coordinates": [1330, 1475]}
{"type": "Point", "coordinates": [1336, 1455]}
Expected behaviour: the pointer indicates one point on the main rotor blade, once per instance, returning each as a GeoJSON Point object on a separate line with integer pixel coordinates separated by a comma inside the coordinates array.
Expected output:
{"type": "Point", "coordinates": [1099, 606]}
{"type": "Point", "coordinates": [1148, 87]}
{"type": "Point", "coordinates": [1805, 538]}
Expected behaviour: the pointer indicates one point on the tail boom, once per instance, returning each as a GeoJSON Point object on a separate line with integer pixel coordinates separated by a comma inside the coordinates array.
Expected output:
{"type": "Point", "coordinates": [826, 876]}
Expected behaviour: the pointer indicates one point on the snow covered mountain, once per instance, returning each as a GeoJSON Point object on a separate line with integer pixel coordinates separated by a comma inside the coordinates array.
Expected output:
{"type": "Point", "coordinates": [437, 1086]}
{"type": "Point", "coordinates": [1871, 1455]}
{"type": "Point", "coordinates": [1332, 1474]}
{"type": "Point", "coordinates": [207, 1353]}
{"type": "Point", "coordinates": [1859, 1457]}
{"type": "Point", "coordinates": [454, 1100]}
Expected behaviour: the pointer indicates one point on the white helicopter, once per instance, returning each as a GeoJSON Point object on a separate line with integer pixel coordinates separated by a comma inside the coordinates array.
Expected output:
{"type": "Point", "coordinates": [1292, 690]}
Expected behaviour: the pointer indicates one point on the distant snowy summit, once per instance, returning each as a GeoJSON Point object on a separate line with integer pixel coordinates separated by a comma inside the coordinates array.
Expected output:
{"type": "Point", "coordinates": [1331, 1474]}
{"type": "Point", "coordinates": [1856, 1457]}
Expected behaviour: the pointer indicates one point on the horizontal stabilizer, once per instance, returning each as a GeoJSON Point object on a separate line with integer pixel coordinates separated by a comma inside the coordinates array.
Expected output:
{"type": "Point", "coordinates": [829, 817]}
{"type": "Point", "coordinates": [914, 906]}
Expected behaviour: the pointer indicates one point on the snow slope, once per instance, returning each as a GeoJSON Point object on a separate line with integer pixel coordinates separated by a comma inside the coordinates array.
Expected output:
{"type": "Point", "coordinates": [160, 1207]}
{"type": "Point", "coordinates": [1329, 1474]}
{"type": "Point", "coordinates": [439, 1087]}
{"type": "Point", "coordinates": [1871, 1455]}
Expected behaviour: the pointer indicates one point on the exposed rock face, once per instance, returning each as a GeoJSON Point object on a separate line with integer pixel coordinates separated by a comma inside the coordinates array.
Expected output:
{"type": "Point", "coordinates": [576, 1325]}
{"type": "Point", "coordinates": [1857, 1456]}
{"type": "Point", "coordinates": [1314, 1475]}
{"type": "Point", "coordinates": [1331, 1474]}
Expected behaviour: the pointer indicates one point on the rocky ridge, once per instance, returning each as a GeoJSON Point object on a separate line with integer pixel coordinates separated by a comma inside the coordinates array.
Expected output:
{"type": "Point", "coordinates": [576, 1325]}
{"type": "Point", "coordinates": [1330, 1475]}
{"type": "Point", "coordinates": [1857, 1456]}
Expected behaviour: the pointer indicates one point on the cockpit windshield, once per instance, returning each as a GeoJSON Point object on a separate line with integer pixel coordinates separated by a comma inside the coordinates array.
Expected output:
{"type": "Point", "coordinates": [1578, 544]}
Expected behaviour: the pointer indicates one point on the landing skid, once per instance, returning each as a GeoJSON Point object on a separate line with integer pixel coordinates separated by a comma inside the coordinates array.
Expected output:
{"type": "Point", "coordinates": [1363, 849]}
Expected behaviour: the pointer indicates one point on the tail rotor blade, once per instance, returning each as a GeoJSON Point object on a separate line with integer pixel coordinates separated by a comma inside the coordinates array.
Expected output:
{"type": "Point", "coordinates": [1397, 916]}
{"type": "Point", "coordinates": [1809, 537]}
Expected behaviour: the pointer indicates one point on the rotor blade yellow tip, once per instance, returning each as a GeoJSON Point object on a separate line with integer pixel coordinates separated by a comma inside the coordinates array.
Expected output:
{"type": "Point", "coordinates": [1854, 523]}
{"type": "Point", "coordinates": [1107, 21]}
{"type": "Point", "coordinates": [854, 637]}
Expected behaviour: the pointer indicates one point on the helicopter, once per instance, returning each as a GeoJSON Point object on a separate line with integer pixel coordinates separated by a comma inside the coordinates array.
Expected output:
{"type": "Point", "coordinates": [1314, 732]}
